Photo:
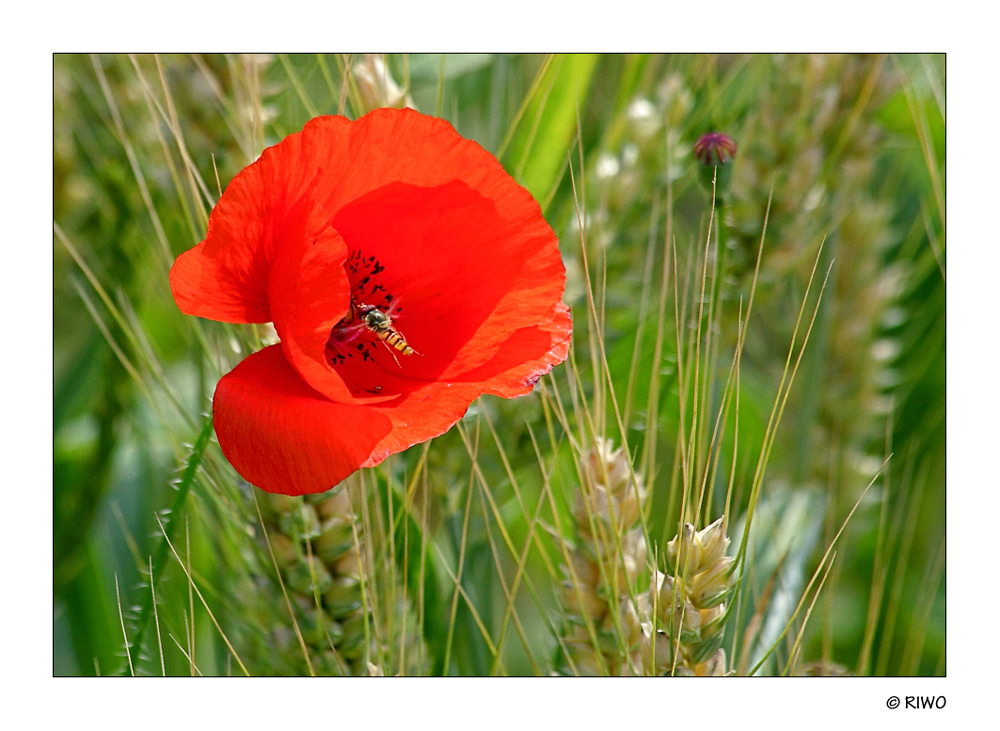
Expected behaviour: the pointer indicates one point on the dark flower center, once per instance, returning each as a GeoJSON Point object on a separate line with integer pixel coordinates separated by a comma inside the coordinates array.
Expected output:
{"type": "Point", "coordinates": [368, 323]}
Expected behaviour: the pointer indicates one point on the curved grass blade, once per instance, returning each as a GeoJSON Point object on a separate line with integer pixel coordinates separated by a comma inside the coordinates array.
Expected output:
{"type": "Point", "coordinates": [170, 526]}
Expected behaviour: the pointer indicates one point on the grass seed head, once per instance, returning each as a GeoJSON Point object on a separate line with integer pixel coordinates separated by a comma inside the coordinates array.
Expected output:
{"type": "Point", "coordinates": [689, 607]}
{"type": "Point", "coordinates": [377, 86]}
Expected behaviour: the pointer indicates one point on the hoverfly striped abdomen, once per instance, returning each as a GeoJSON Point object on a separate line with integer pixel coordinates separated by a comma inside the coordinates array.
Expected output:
{"type": "Point", "coordinates": [380, 325]}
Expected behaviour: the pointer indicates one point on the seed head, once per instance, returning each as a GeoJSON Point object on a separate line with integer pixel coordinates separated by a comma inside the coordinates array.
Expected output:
{"type": "Point", "coordinates": [713, 543]}
{"type": "Point", "coordinates": [377, 86]}
{"type": "Point", "coordinates": [660, 657]}
{"type": "Point", "coordinates": [715, 149]}
{"type": "Point", "coordinates": [695, 551]}
{"type": "Point", "coordinates": [614, 492]}
{"type": "Point", "coordinates": [684, 552]}
{"type": "Point", "coordinates": [715, 666]}
{"type": "Point", "coordinates": [686, 604]}
{"type": "Point", "coordinates": [710, 586]}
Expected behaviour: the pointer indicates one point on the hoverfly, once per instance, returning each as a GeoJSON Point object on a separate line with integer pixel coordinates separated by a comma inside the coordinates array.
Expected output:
{"type": "Point", "coordinates": [361, 317]}
{"type": "Point", "coordinates": [380, 325]}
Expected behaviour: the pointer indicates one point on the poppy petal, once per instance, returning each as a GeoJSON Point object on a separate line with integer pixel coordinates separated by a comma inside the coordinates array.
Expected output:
{"type": "Point", "coordinates": [403, 146]}
{"type": "Point", "coordinates": [465, 277]}
{"type": "Point", "coordinates": [225, 277]}
{"type": "Point", "coordinates": [283, 436]}
{"type": "Point", "coordinates": [432, 408]}
{"type": "Point", "coordinates": [392, 145]}
{"type": "Point", "coordinates": [526, 356]}
{"type": "Point", "coordinates": [309, 293]}
{"type": "Point", "coordinates": [420, 415]}
{"type": "Point", "coordinates": [381, 375]}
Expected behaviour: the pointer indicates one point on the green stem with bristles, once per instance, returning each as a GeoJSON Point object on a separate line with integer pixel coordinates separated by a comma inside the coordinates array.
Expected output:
{"type": "Point", "coordinates": [170, 527]}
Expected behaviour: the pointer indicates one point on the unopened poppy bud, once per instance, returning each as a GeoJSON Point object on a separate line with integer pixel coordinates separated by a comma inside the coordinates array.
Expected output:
{"type": "Point", "coordinates": [715, 151]}
{"type": "Point", "coordinates": [714, 148]}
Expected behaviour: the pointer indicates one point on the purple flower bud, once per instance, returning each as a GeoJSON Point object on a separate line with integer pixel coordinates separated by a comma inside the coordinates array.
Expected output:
{"type": "Point", "coordinates": [714, 148]}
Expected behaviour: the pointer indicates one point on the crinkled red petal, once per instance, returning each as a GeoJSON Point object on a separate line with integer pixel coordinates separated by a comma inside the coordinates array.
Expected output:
{"type": "Point", "coordinates": [397, 145]}
{"type": "Point", "coordinates": [526, 356]}
{"type": "Point", "coordinates": [432, 408]}
{"type": "Point", "coordinates": [225, 277]}
{"type": "Point", "coordinates": [283, 436]}
{"type": "Point", "coordinates": [381, 378]}
{"type": "Point", "coordinates": [309, 293]}
{"type": "Point", "coordinates": [465, 277]}
{"type": "Point", "coordinates": [403, 146]}
{"type": "Point", "coordinates": [421, 414]}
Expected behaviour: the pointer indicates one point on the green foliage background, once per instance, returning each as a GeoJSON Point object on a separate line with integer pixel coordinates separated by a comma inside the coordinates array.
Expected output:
{"type": "Point", "coordinates": [849, 148]}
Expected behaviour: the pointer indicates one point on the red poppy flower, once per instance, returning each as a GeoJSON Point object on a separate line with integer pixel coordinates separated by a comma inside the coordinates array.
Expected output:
{"type": "Point", "coordinates": [405, 273]}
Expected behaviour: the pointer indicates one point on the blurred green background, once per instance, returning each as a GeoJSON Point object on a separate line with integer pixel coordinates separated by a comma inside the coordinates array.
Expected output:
{"type": "Point", "coordinates": [848, 148]}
